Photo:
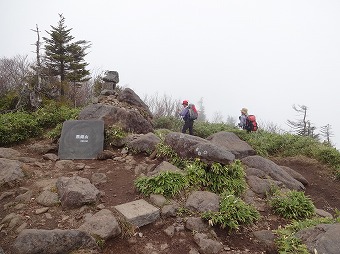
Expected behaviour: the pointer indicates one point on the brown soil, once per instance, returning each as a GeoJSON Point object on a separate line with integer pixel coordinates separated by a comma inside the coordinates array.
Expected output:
{"type": "Point", "coordinates": [323, 189]}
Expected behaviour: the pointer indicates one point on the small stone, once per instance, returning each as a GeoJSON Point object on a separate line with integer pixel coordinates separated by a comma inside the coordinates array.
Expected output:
{"type": "Point", "coordinates": [41, 210]}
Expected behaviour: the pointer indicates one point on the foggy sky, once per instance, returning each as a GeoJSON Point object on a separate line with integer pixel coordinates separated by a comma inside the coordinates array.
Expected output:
{"type": "Point", "coordinates": [263, 55]}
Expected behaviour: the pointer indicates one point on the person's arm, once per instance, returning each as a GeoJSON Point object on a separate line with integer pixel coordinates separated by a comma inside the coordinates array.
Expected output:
{"type": "Point", "coordinates": [184, 112]}
{"type": "Point", "coordinates": [242, 121]}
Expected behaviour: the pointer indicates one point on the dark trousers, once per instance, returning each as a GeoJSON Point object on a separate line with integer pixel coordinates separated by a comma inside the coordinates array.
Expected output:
{"type": "Point", "coordinates": [188, 125]}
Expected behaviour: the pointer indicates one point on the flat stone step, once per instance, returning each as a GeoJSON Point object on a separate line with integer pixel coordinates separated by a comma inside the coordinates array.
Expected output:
{"type": "Point", "coordinates": [139, 212]}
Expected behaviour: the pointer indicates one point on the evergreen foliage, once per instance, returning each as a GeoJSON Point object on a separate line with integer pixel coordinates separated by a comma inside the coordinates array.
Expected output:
{"type": "Point", "coordinates": [63, 57]}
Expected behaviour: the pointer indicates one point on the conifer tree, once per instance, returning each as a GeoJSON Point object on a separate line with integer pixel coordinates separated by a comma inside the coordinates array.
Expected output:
{"type": "Point", "coordinates": [65, 58]}
{"type": "Point", "coordinates": [303, 127]}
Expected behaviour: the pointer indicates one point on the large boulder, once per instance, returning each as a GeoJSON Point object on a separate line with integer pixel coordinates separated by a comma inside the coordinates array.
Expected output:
{"type": "Point", "coordinates": [54, 241]}
{"type": "Point", "coordinates": [124, 109]}
{"type": "Point", "coordinates": [130, 97]}
{"type": "Point", "coordinates": [232, 143]}
{"type": "Point", "coordinates": [273, 170]}
{"type": "Point", "coordinates": [322, 238]}
{"type": "Point", "coordinates": [128, 119]}
{"type": "Point", "coordinates": [191, 147]}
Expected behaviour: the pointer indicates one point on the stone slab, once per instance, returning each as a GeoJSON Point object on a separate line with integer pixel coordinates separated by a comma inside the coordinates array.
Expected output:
{"type": "Point", "coordinates": [139, 212]}
{"type": "Point", "coordinates": [81, 139]}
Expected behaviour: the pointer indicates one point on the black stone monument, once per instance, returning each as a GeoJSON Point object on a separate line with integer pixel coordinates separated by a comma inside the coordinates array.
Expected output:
{"type": "Point", "coordinates": [81, 139]}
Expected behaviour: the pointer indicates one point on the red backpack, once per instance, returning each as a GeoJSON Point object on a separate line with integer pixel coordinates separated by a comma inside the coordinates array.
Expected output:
{"type": "Point", "coordinates": [251, 124]}
{"type": "Point", "coordinates": [193, 114]}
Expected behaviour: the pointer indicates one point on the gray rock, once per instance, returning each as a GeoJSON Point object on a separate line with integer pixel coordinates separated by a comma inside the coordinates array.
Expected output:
{"type": "Point", "coordinates": [6, 194]}
{"type": "Point", "coordinates": [111, 76]}
{"type": "Point", "coordinates": [323, 213]}
{"type": "Point", "coordinates": [196, 224]}
{"type": "Point", "coordinates": [164, 166]}
{"type": "Point", "coordinates": [138, 212]}
{"type": "Point", "coordinates": [251, 198]}
{"type": "Point", "coordinates": [145, 143]}
{"type": "Point", "coordinates": [203, 201]}
{"type": "Point", "coordinates": [9, 153]}
{"type": "Point", "coordinates": [48, 198]}
{"type": "Point", "coordinates": [98, 178]}
{"type": "Point", "coordinates": [50, 156]}
{"type": "Point", "coordinates": [206, 245]}
{"type": "Point", "coordinates": [10, 172]}
{"type": "Point", "coordinates": [158, 200]}
{"type": "Point", "coordinates": [25, 197]}
{"type": "Point", "coordinates": [43, 148]}
{"type": "Point", "coordinates": [130, 97]}
{"type": "Point", "coordinates": [267, 238]}
{"type": "Point", "coordinates": [169, 210]}
{"type": "Point", "coordinates": [255, 172]}
{"type": "Point", "coordinates": [76, 191]}
{"type": "Point", "coordinates": [261, 186]}
{"type": "Point", "coordinates": [102, 224]}
{"type": "Point", "coordinates": [56, 241]}
{"type": "Point", "coordinates": [296, 175]}
{"type": "Point", "coordinates": [191, 147]}
{"type": "Point", "coordinates": [128, 119]}
{"type": "Point", "coordinates": [170, 231]}
{"type": "Point", "coordinates": [324, 238]}
{"type": "Point", "coordinates": [232, 143]}
{"type": "Point", "coordinates": [273, 170]}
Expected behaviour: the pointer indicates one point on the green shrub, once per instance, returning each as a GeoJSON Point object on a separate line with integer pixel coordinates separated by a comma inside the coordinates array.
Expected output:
{"type": "Point", "coordinates": [55, 133]}
{"type": "Point", "coordinates": [20, 126]}
{"type": "Point", "coordinates": [8, 101]}
{"type": "Point", "coordinates": [52, 114]}
{"type": "Point", "coordinates": [205, 129]}
{"type": "Point", "coordinates": [171, 123]}
{"type": "Point", "coordinates": [292, 205]}
{"type": "Point", "coordinates": [329, 156]}
{"type": "Point", "coordinates": [166, 183]}
{"type": "Point", "coordinates": [16, 127]}
{"type": "Point", "coordinates": [226, 178]}
{"type": "Point", "coordinates": [114, 135]}
{"type": "Point", "coordinates": [196, 175]}
{"type": "Point", "coordinates": [166, 152]}
{"type": "Point", "coordinates": [232, 213]}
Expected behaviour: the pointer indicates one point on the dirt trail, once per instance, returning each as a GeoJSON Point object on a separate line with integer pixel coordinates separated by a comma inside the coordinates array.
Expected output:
{"type": "Point", "coordinates": [119, 188]}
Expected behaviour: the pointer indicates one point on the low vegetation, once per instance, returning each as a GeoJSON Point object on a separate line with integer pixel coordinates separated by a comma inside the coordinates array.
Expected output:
{"type": "Point", "coordinates": [292, 205]}
{"type": "Point", "coordinates": [233, 213]}
{"type": "Point", "coordinates": [287, 242]}
{"type": "Point", "coordinates": [226, 180]}
{"type": "Point", "coordinates": [166, 183]}
{"type": "Point", "coordinates": [20, 126]}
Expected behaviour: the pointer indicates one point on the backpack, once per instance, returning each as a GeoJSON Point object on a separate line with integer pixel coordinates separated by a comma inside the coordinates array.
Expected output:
{"type": "Point", "coordinates": [251, 124]}
{"type": "Point", "coordinates": [193, 114]}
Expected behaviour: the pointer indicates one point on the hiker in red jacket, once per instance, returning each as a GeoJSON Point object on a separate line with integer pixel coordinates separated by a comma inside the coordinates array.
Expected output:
{"type": "Point", "coordinates": [188, 124]}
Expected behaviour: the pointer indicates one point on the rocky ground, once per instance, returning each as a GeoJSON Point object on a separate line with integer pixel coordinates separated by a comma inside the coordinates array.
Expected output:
{"type": "Point", "coordinates": [118, 188]}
